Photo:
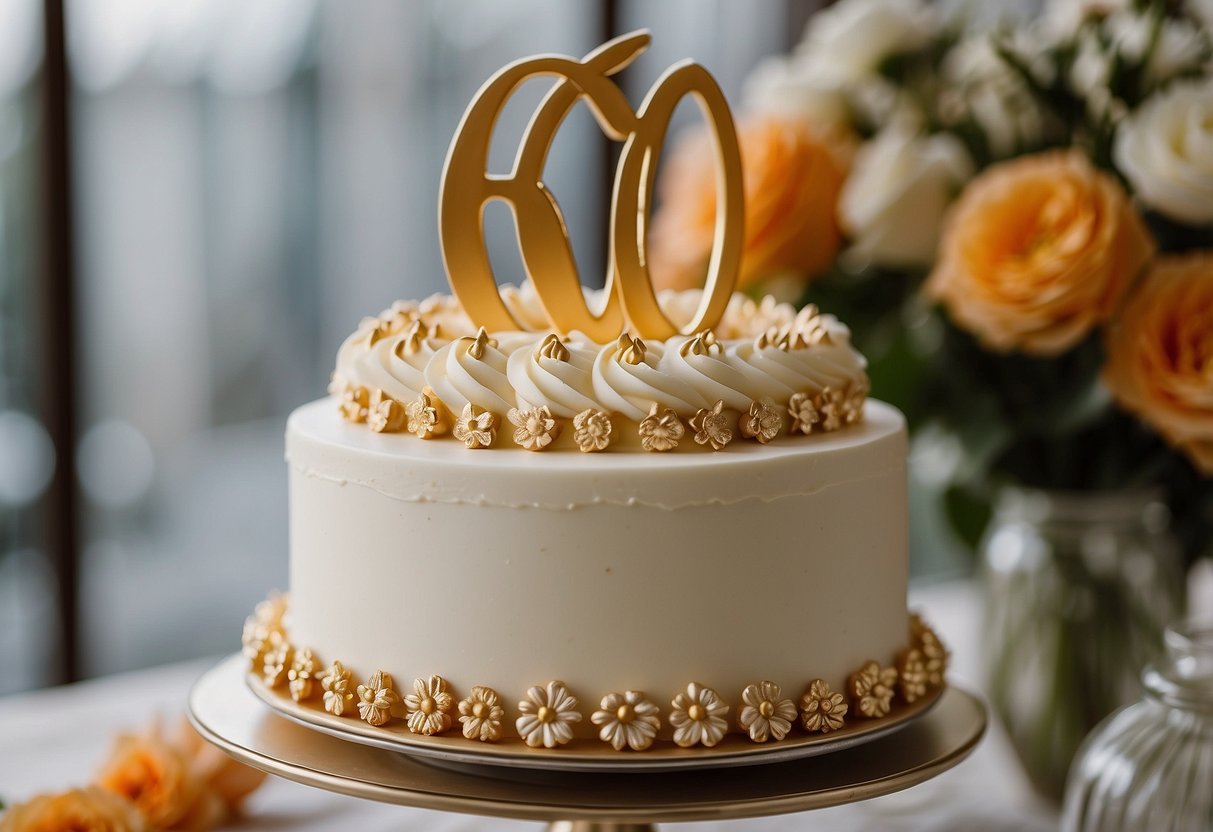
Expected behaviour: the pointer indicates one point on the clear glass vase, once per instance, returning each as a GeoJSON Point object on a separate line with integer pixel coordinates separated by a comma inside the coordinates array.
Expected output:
{"type": "Point", "coordinates": [1150, 767]}
{"type": "Point", "coordinates": [1080, 587]}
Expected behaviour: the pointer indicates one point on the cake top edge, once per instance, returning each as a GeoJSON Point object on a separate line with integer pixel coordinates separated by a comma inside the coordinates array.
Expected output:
{"type": "Point", "coordinates": [765, 369]}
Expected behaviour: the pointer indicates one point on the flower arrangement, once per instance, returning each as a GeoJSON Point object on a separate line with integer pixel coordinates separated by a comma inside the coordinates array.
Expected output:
{"type": "Point", "coordinates": [1017, 221]}
{"type": "Point", "coordinates": [156, 780]}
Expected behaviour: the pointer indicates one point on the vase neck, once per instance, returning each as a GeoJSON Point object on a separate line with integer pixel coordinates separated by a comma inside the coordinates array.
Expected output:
{"type": "Point", "coordinates": [1183, 677]}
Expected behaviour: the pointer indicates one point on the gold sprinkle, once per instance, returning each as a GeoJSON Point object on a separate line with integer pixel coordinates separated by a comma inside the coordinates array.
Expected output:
{"type": "Point", "coordinates": [553, 348]}
{"type": "Point", "coordinates": [634, 352]}
{"type": "Point", "coordinates": [480, 343]}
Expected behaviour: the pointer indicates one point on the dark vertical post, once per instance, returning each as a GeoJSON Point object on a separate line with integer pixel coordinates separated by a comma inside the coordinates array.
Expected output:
{"type": "Point", "coordinates": [57, 321]}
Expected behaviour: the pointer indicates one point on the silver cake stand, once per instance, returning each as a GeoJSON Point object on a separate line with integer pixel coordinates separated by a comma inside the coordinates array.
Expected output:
{"type": "Point", "coordinates": [229, 715]}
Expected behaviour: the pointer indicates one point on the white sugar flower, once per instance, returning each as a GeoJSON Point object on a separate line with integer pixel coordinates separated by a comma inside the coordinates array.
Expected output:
{"type": "Point", "coordinates": [627, 719]}
{"type": "Point", "coordinates": [548, 716]}
{"type": "Point", "coordinates": [698, 716]}
{"type": "Point", "coordinates": [765, 714]}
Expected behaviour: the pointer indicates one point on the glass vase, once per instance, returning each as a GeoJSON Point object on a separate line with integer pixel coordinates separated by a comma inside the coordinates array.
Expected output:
{"type": "Point", "coordinates": [1150, 767]}
{"type": "Point", "coordinates": [1080, 587]}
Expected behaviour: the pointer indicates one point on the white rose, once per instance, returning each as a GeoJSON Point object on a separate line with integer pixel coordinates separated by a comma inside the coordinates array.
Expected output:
{"type": "Point", "coordinates": [850, 39]}
{"type": "Point", "coordinates": [793, 87]}
{"type": "Point", "coordinates": [833, 72]}
{"type": "Point", "coordinates": [1165, 149]}
{"type": "Point", "coordinates": [893, 203]}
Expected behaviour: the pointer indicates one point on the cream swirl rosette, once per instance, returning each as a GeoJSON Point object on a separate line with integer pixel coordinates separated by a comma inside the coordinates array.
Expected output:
{"type": "Point", "coordinates": [1165, 150]}
{"type": "Point", "coordinates": [558, 375]}
{"type": "Point", "coordinates": [394, 364]}
{"type": "Point", "coordinates": [471, 370]}
{"type": "Point", "coordinates": [628, 379]}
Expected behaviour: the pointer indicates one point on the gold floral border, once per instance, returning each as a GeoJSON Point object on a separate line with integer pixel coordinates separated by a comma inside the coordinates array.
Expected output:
{"type": "Point", "coordinates": [547, 713]}
{"type": "Point", "coordinates": [536, 429]}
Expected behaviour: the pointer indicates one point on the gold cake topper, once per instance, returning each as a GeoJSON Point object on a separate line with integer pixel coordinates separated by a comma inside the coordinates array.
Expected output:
{"type": "Point", "coordinates": [628, 297]}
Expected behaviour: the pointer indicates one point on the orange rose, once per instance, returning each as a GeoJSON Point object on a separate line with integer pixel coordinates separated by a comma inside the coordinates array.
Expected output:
{"type": "Point", "coordinates": [156, 776]}
{"type": "Point", "coordinates": [792, 179]}
{"type": "Point", "coordinates": [1160, 354]}
{"type": "Point", "coordinates": [1038, 251]}
{"type": "Point", "coordinates": [232, 781]}
{"type": "Point", "coordinates": [81, 810]}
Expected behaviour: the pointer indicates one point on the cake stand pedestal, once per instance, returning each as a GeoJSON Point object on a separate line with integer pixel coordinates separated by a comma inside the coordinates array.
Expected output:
{"type": "Point", "coordinates": [227, 714]}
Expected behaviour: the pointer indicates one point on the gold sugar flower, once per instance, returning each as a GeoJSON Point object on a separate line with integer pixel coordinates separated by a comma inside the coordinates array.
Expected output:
{"type": "Point", "coordinates": [276, 663]}
{"type": "Point", "coordinates": [263, 629]}
{"type": "Point", "coordinates": [548, 716]}
{"type": "Point", "coordinates": [481, 715]}
{"type": "Point", "coordinates": [911, 675]}
{"type": "Point", "coordinates": [534, 429]}
{"type": "Point", "coordinates": [803, 408]}
{"type": "Point", "coordinates": [301, 678]}
{"type": "Point", "coordinates": [698, 716]}
{"type": "Point", "coordinates": [763, 422]}
{"type": "Point", "coordinates": [821, 709]}
{"type": "Point", "coordinates": [476, 427]}
{"type": "Point", "coordinates": [385, 414]}
{"type": "Point", "coordinates": [764, 713]}
{"type": "Point", "coordinates": [336, 682]}
{"type": "Point", "coordinates": [429, 706]}
{"type": "Point", "coordinates": [935, 655]}
{"type": "Point", "coordinates": [377, 698]}
{"type": "Point", "coordinates": [830, 402]}
{"type": "Point", "coordinates": [661, 429]}
{"type": "Point", "coordinates": [425, 416]}
{"type": "Point", "coordinates": [355, 402]}
{"type": "Point", "coordinates": [627, 719]}
{"type": "Point", "coordinates": [592, 430]}
{"type": "Point", "coordinates": [852, 405]}
{"type": "Point", "coordinates": [872, 689]}
{"type": "Point", "coordinates": [711, 426]}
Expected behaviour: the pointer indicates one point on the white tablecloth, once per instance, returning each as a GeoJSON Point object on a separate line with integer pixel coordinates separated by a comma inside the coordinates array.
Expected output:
{"type": "Point", "coordinates": [55, 738]}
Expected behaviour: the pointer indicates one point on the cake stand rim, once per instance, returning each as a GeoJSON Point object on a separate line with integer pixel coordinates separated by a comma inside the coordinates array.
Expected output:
{"type": "Point", "coordinates": [459, 792]}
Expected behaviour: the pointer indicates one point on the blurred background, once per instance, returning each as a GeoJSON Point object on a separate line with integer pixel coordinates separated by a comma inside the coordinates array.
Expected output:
{"type": "Point", "coordinates": [198, 200]}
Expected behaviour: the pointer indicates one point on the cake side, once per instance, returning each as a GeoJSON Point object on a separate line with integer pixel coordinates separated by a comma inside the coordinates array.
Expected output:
{"type": "Point", "coordinates": [784, 563]}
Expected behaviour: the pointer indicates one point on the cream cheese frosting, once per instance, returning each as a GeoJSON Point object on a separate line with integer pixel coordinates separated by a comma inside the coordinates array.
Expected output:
{"type": "Point", "coordinates": [760, 351]}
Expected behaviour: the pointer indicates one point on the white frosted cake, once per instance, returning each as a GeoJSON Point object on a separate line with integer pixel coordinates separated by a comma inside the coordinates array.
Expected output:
{"type": "Point", "coordinates": [545, 516]}
{"type": "Point", "coordinates": [723, 560]}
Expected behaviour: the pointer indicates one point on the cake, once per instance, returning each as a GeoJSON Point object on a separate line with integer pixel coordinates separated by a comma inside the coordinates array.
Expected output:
{"type": "Point", "coordinates": [533, 534]}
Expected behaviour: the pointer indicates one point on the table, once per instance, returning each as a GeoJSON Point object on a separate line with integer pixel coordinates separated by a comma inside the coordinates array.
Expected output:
{"type": "Point", "coordinates": [56, 738]}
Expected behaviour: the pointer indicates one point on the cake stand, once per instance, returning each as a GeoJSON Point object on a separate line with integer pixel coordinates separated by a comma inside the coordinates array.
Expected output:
{"type": "Point", "coordinates": [229, 715]}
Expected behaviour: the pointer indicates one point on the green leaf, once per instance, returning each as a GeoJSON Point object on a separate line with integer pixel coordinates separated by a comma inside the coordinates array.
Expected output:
{"type": "Point", "coordinates": [968, 514]}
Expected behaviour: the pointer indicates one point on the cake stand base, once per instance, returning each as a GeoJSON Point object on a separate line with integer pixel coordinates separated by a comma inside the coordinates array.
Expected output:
{"type": "Point", "coordinates": [228, 714]}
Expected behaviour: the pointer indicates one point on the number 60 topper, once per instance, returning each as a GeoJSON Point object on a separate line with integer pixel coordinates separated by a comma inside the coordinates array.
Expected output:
{"type": "Point", "coordinates": [628, 294]}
